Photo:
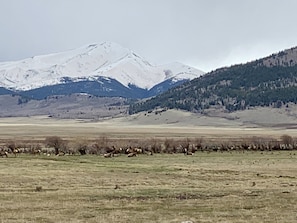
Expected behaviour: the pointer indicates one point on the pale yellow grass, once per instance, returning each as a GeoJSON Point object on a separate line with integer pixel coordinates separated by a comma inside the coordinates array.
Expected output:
{"type": "Point", "coordinates": [214, 187]}
{"type": "Point", "coordinates": [206, 187]}
{"type": "Point", "coordinates": [37, 128]}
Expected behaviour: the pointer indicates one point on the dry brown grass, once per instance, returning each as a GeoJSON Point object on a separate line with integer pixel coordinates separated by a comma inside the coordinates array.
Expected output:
{"type": "Point", "coordinates": [38, 128]}
{"type": "Point", "coordinates": [206, 187]}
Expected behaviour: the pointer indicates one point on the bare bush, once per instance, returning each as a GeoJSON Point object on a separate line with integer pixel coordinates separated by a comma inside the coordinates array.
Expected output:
{"type": "Point", "coordinates": [99, 146]}
{"type": "Point", "coordinates": [34, 149]}
{"type": "Point", "coordinates": [185, 143]}
{"type": "Point", "coordinates": [169, 146]}
{"type": "Point", "coordinates": [81, 145]}
{"type": "Point", "coordinates": [102, 141]}
{"type": "Point", "coordinates": [198, 143]}
{"type": "Point", "coordinates": [155, 145]}
{"type": "Point", "coordinates": [287, 140]}
{"type": "Point", "coordinates": [56, 142]}
{"type": "Point", "coordinates": [11, 145]}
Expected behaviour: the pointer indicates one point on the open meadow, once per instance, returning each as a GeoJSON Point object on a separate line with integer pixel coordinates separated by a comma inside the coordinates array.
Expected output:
{"type": "Point", "coordinates": [208, 186]}
{"type": "Point", "coordinates": [205, 187]}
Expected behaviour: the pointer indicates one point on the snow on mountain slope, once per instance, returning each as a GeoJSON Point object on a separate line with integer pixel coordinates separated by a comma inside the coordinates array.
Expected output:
{"type": "Point", "coordinates": [87, 63]}
{"type": "Point", "coordinates": [178, 71]}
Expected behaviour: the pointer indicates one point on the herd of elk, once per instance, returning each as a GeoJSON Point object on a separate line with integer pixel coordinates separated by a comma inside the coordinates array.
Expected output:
{"type": "Point", "coordinates": [131, 152]}
{"type": "Point", "coordinates": [5, 151]}
{"type": "Point", "coordinates": [167, 147]}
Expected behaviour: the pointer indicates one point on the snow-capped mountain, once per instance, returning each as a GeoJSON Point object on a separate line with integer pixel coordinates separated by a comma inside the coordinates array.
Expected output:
{"type": "Point", "coordinates": [105, 64]}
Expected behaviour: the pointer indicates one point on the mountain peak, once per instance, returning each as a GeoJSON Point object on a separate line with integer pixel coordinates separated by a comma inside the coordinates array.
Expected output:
{"type": "Point", "coordinates": [89, 62]}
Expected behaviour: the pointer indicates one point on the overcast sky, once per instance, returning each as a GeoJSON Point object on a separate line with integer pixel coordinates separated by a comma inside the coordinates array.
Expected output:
{"type": "Point", "coordinates": [206, 34]}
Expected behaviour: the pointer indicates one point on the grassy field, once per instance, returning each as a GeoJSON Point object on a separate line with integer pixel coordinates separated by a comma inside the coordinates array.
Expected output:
{"type": "Point", "coordinates": [205, 187]}
{"type": "Point", "coordinates": [37, 128]}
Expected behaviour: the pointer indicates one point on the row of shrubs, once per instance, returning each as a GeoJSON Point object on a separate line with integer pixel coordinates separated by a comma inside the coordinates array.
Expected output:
{"type": "Point", "coordinates": [58, 146]}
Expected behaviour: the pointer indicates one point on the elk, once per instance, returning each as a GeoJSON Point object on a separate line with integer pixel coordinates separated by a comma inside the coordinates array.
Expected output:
{"type": "Point", "coordinates": [15, 151]}
{"type": "Point", "coordinates": [108, 155]}
{"type": "Point", "coordinates": [187, 152]}
{"type": "Point", "coordinates": [134, 150]}
{"type": "Point", "coordinates": [3, 153]}
{"type": "Point", "coordinates": [150, 153]}
{"type": "Point", "coordinates": [61, 153]}
{"type": "Point", "coordinates": [132, 154]}
{"type": "Point", "coordinates": [138, 150]}
{"type": "Point", "coordinates": [12, 147]}
{"type": "Point", "coordinates": [129, 150]}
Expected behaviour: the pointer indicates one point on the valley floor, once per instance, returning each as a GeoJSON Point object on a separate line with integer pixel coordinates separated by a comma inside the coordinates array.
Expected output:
{"type": "Point", "coordinates": [261, 122]}
{"type": "Point", "coordinates": [205, 187]}
{"type": "Point", "coordinates": [237, 186]}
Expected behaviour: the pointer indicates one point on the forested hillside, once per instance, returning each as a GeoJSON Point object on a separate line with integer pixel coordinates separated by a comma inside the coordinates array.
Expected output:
{"type": "Point", "coordinates": [271, 81]}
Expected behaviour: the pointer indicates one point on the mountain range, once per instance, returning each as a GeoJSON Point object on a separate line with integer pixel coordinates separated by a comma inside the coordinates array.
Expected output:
{"type": "Point", "coordinates": [110, 70]}
{"type": "Point", "coordinates": [105, 69]}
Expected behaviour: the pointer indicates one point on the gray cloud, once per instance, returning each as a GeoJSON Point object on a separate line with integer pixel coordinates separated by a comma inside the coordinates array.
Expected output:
{"type": "Point", "coordinates": [206, 34]}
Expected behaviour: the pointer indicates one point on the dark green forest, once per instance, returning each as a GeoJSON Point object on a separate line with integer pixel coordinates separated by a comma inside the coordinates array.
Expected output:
{"type": "Point", "coordinates": [233, 88]}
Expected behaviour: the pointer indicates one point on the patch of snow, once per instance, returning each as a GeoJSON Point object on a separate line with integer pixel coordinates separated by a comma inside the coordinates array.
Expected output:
{"type": "Point", "coordinates": [107, 59]}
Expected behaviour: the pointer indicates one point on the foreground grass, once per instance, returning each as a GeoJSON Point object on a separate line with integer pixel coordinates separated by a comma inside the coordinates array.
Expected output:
{"type": "Point", "coordinates": [214, 187]}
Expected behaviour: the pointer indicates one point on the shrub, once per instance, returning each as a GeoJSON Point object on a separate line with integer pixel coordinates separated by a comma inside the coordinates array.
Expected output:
{"type": "Point", "coordinates": [287, 140]}
{"type": "Point", "coordinates": [11, 145]}
{"type": "Point", "coordinates": [56, 142]}
{"type": "Point", "coordinates": [155, 145]}
{"type": "Point", "coordinates": [81, 145]}
{"type": "Point", "coordinates": [169, 146]}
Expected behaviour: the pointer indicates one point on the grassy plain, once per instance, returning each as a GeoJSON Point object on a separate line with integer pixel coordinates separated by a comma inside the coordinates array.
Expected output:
{"type": "Point", "coordinates": [37, 128]}
{"type": "Point", "coordinates": [205, 187]}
